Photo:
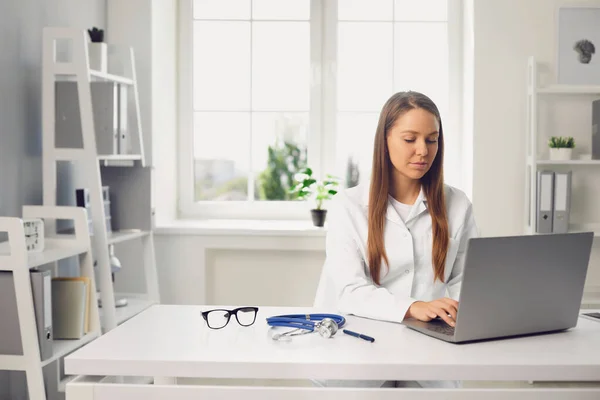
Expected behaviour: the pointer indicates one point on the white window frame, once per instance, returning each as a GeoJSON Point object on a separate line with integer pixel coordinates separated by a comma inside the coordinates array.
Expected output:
{"type": "Point", "coordinates": [323, 109]}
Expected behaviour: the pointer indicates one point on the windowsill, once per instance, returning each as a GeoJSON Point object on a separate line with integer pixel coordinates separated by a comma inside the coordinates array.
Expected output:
{"type": "Point", "coordinates": [293, 228]}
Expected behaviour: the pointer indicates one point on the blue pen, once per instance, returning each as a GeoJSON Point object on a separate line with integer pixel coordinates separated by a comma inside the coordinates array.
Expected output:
{"type": "Point", "coordinates": [358, 335]}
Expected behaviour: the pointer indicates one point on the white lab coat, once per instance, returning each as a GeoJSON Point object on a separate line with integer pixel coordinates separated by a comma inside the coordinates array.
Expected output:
{"type": "Point", "coordinates": [345, 283]}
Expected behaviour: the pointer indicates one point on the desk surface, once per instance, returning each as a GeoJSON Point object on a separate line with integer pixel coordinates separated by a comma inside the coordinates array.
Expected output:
{"type": "Point", "coordinates": [175, 341]}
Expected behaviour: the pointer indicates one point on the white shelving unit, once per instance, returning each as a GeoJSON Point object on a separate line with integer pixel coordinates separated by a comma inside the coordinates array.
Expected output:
{"type": "Point", "coordinates": [533, 162]}
{"type": "Point", "coordinates": [127, 175]}
{"type": "Point", "coordinates": [15, 258]}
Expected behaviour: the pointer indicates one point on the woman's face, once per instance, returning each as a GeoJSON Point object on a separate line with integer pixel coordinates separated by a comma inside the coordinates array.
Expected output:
{"type": "Point", "coordinates": [413, 143]}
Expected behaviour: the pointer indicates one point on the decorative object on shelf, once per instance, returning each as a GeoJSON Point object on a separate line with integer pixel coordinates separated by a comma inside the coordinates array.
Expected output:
{"type": "Point", "coordinates": [82, 199]}
{"type": "Point", "coordinates": [115, 266]}
{"type": "Point", "coordinates": [34, 234]}
{"type": "Point", "coordinates": [561, 148]}
{"type": "Point", "coordinates": [578, 45]}
{"type": "Point", "coordinates": [98, 50]}
{"type": "Point", "coordinates": [309, 187]}
{"type": "Point", "coordinates": [106, 202]}
{"type": "Point", "coordinates": [595, 130]}
{"type": "Point", "coordinates": [96, 35]}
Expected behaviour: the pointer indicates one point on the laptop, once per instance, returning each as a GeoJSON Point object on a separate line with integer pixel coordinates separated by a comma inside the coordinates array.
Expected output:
{"type": "Point", "coordinates": [517, 285]}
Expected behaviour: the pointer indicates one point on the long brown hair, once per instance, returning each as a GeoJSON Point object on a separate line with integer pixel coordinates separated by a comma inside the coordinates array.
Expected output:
{"type": "Point", "coordinates": [432, 183]}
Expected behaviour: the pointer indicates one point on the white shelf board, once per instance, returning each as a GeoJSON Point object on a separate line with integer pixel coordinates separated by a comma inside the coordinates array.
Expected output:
{"type": "Point", "coordinates": [572, 229]}
{"type": "Point", "coordinates": [129, 380]}
{"type": "Point", "coordinates": [119, 160]}
{"type": "Point", "coordinates": [120, 157]}
{"type": "Point", "coordinates": [111, 77]}
{"type": "Point", "coordinates": [63, 347]}
{"type": "Point", "coordinates": [136, 304]}
{"type": "Point", "coordinates": [54, 250]}
{"type": "Point", "coordinates": [570, 89]}
{"type": "Point", "coordinates": [122, 236]}
{"type": "Point", "coordinates": [569, 162]}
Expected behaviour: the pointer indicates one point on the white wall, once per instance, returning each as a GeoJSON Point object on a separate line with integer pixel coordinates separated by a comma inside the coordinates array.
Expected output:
{"type": "Point", "coordinates": [506, 33]}
{"type": "Point", "coordinates": [21, 24]}
{"type": "Point", "coordinates": [499, 37]}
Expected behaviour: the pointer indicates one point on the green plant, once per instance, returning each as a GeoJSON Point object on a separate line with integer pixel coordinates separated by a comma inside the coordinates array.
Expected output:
{"type": "Point", "coordinates": [558, 142]}
{"type": "Point", "coordinates": [283, 161]}
{"type": "Point", "coordinates": [309, 187]}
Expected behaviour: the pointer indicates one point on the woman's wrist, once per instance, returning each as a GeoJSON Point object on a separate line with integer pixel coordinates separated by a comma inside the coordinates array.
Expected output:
{"type": "Point", "coordinates": [408, 312]}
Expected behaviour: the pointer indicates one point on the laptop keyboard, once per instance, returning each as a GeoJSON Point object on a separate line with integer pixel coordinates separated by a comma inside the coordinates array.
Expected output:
{"type": "Point", "coordinates": [441, 327]}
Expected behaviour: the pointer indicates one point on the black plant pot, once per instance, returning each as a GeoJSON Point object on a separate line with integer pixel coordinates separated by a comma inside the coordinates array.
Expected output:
{"type": "Point", "coordinates": [318, 217]}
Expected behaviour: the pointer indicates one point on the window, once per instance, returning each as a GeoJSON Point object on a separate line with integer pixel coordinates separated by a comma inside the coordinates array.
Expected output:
{"type": "Point", "coordinates": [271, 86]}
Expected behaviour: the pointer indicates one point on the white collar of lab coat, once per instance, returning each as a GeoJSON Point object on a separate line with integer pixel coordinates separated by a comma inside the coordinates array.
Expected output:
{"type": "Point", "coordinates": [391, 213]}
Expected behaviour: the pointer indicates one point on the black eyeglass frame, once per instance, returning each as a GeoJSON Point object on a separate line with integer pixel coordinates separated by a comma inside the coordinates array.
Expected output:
{"type": "Point", "coordinates": [229, 314]}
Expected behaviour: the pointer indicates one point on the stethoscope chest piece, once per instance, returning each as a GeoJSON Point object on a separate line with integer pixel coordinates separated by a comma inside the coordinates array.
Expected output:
{"type": "Point", "coordinates": [327, 327]}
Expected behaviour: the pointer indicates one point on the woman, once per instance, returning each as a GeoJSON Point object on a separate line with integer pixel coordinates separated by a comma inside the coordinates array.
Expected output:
{"type": "Point", "coordinates": [395, 247]}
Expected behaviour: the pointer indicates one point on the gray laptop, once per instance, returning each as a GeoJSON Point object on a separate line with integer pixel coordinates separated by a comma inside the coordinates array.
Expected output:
{"type": "Point", "coordinates": [517, 285]}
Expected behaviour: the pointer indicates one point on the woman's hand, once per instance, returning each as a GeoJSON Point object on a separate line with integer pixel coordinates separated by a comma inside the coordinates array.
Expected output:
{"type": "Point", "coordinates": [444, 308]}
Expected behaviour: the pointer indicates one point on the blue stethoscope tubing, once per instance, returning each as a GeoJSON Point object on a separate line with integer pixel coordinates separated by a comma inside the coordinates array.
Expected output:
{"type": "Point", "coordinates": [304, 321]}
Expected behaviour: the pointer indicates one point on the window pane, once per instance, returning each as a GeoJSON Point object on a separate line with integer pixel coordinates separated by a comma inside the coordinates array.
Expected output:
{"type": "Point", "coordinates": [281, 9]}
{"type": "Point", "coordinates": [354, 146]}
{"type": "Point", "coordinates": [278, 150]}
{"type": "Point", "coordinates": [222, 9]}
{"type": "Point", "coordinates": [221, 156]}
{"type": "Point", "coordinates": [221, 66]}
{"type": "Point", "coordinates": [365, 10]}
{"type": "Point", "coordinates": [426, 69]}
{"type": "Point", "coordinates": [280, 66]}
{"type": "Point", "coordinates": [365, 56]}
{"type": "Point", "coordinates": [422, 10]}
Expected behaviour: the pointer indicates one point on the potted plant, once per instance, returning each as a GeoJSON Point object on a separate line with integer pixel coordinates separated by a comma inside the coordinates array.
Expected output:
{"type": "Point", "coordinates": [319, 190]}
{"type": "Point", "coordinates": [561, 148]}
{"type": "Point", "coordinates": [98, 50]}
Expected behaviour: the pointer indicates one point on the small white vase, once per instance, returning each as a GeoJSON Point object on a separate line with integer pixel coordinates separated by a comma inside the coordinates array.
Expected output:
{"type": "Point", "coordinates": [98, 54]}
{"type": "Point", "coordinates": [560, 154]}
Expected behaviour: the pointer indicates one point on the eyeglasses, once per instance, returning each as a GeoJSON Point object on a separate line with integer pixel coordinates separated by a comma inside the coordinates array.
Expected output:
{"type": "Point", "coordinates": [219, 318]}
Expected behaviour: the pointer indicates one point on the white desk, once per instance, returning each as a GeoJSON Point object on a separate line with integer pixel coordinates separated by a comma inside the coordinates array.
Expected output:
{"type": "Point", "coordinates": [174, 341]}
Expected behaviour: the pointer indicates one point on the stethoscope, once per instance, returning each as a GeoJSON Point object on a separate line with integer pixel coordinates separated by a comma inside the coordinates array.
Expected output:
{"type": "Point", "coordinates": [325, 324]}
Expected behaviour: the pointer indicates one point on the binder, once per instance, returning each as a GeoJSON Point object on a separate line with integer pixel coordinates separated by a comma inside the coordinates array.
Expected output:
{"type": "Point", "coordinates": [10, 332]}
{"type": "Point", "coordinates": [545, 203]}
{"type": "Point", "coordinates": [123, 128]}
{"type": "Point", "coordinates": [562, 202]}
{"type": "Point", "coordinates": [41, 286]}
{"type": "Point", "coordinates": [68, 309]}
{"type": "Point", "coordinates": [105, 103]}
{"type": "Point", "coordinates": [596, 130]}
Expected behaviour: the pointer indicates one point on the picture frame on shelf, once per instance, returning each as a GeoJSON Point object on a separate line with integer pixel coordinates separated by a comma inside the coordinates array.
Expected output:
{"type": "Point", "coordinates": [578, 45]}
